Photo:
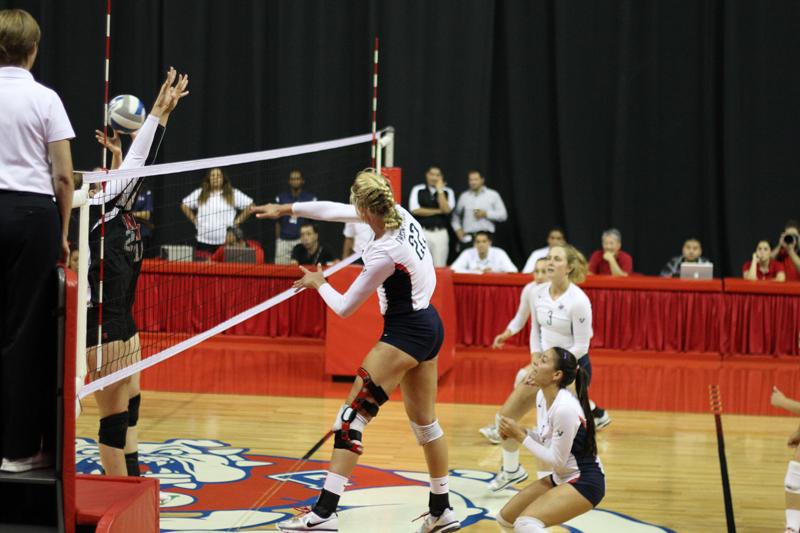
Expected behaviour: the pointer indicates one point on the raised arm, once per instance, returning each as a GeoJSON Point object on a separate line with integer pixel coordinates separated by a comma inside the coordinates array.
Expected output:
{"type": "Point", "coordinates": [322, 210]}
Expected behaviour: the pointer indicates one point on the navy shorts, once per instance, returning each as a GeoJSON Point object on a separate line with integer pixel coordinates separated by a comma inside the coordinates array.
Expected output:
{"type": "Point", "coordinates": [585, 363]}
{"type": "Point", "coordinates": [418, 333]}
{"type": "Point", "coordinates": [591, 485]}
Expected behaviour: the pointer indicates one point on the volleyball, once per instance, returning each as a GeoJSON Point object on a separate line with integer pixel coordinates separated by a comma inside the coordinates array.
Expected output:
{"type": "Point", "coordinates": [126, 113]}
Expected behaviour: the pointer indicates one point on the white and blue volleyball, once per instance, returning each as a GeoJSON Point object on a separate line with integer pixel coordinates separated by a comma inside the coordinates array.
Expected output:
{"type": "Point", "coordinates": [126, 113]}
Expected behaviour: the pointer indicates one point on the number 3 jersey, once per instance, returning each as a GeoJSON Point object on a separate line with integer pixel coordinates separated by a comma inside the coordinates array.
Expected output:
{"type": "Point", "coordinates": [398, 264]}
{"type": "Point", "coordinates": [565, 322]}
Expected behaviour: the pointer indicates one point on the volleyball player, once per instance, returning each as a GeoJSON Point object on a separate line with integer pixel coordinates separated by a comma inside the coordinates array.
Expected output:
{"type": "Point", "coordinates": [791, 482]}
{"type": "Point", "coordinates": [523, 397]}
{"type": "Point", "coordinates": [118, 404]}
{"type": "Point", "coordinates": [398, 264]}
{"type": "Point", "coordinates": [565, 440]}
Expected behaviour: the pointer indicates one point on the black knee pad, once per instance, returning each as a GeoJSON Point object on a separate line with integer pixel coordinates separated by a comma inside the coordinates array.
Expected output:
{"type": "Point", "coordinates": [343, 443]}
{"type": "Point", "coordinates": [133, 410]}
{"type": "Point", "coordinates": [113, 430]}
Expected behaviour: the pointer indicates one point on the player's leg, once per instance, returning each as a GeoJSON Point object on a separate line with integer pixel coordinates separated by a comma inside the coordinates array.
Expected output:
{"type": "Point", "coordinates": [521, 401]}
{"type": "Point", "coordinates": [553, 507]}
{"type": "Point", "coordinates": [134, 402]}
{"type": "Point", "coordinates": [516, 505]}
{"type": "Point", "coordinates": [792, 493]}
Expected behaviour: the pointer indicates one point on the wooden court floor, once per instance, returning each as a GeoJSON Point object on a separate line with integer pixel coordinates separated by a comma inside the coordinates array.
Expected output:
{"type": "Point", "coordinates": [662, 468]}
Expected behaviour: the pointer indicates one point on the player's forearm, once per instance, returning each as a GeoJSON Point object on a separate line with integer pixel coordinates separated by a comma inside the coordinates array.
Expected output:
{"type": "Point", "coordinates": [793, 406]}
{"type": "Point", "coordinates": [426, 212]}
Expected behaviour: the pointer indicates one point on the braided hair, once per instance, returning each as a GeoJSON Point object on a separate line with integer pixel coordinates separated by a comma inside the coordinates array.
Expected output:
{"type": "Point", "coordinates": [568, 365]}
{"type": "Point", "coordinates": [372, 192]}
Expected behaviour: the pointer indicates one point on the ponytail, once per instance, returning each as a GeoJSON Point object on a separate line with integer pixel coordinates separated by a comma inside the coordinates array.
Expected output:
{"type": "Point", "coordinates": [582, 389]}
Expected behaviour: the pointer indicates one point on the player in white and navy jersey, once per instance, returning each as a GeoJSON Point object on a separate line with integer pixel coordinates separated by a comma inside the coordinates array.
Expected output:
{"type": "Point", "coordinates": [564, 439]}
{"type": "Point", "coordinates": [398, 265]}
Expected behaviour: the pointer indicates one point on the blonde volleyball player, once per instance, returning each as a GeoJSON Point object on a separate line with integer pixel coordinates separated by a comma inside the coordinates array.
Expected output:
{"type": "Point", "coordinates": [563, 439]}
{"type": "Point", "coordinates": [791, 482]}
{"type": "Point", "coordinates": [398, 265]}
{"type": "Point", "coordinates": [118, 404]}
{"type": "Point", "coordinates": [523, 397]}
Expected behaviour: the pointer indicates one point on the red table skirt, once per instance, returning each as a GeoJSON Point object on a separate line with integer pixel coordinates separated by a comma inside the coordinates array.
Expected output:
{"type": "Point", "coordinates": [637, 313]}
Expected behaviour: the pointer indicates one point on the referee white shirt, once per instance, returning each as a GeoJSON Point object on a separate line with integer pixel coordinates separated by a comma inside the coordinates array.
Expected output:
{"type": "Point", "coordinates": [470, 261]}
{"type": "Point", "coordinates": [485, 199]}
{"type": "Point", "coordinates": [31, 117]}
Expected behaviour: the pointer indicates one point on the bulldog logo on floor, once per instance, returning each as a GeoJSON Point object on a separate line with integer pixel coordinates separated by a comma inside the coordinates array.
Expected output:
{"type": "Point", "coordinates": [207, 485]}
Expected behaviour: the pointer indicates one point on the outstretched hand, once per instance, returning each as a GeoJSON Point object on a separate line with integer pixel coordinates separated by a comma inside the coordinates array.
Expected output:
{"type": "Point", "coordinates": [112, 143]}
{"type": "Point", "coordinates": [169, 95]}
{"type": "Point", "coordinates": [270, 210]}
{"type": "Point", "coordinates": [311, 279]}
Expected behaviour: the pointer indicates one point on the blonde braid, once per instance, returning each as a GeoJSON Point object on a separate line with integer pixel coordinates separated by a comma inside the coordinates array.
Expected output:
{"type": "Point", "coordinates": [372, 192]}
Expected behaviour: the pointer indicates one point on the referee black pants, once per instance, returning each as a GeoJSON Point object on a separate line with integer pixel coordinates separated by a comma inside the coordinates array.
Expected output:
{"type": "Point", "coordinates": [30, 242]}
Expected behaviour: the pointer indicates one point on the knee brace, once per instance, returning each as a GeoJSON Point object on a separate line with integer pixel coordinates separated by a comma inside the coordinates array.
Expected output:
{"type": "Point", "coordinates": [353, 418]}
{"type": "Point", "coordinates": [792, 481]}
{"type": "Point", "coordinates": [505, 526]}
{"type": "Point", "coordinates": [426, 434]}
{"type": "Point", "coordinates": [113, 429]}
{"type": "Point", "coordinates": [529, 524]}
{"type": "Point", "coordinates": [133, 410]}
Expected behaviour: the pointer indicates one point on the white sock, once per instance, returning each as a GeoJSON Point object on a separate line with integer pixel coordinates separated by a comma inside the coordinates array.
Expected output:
{"type": "Point", "coordinates": [510, 460]}
{"type": "Point", "coordinates": [440, 485]}
{"type": "Point", "coordinates": [335, 483]}
{"type": "Point", "coordinates": [529, 524]}
{"type": "Point", "coordinates": [497, 420]}
{"type": "Point", "coordinates": [793, 519]}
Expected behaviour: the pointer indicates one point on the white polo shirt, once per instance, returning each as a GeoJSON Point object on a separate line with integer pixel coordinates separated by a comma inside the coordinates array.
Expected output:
{"type": "Point", "coordinates": [496, 260]}
{"type": "Point", "coordinates": [360, 233]}
{"type": "Point", "coordinates": [31, 117]}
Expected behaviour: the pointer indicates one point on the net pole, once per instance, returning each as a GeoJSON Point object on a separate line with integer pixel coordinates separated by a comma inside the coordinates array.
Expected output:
{"type": "Point", "coordinates": [375, 148]}
{"type": "Point", "coordinates": [107, 68]}
{"type": "Point", "coordinates": [82, 197]}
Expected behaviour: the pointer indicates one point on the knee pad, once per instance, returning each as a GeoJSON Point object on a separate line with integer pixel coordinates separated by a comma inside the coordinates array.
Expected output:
{"type": "Point", "coordinates": [529, 524]}
{"type": "Point", "coordinates": [505, 526]}
{"type": "Point", "coordinates": [113, 430]}
{"type": "Point", "coordinates": [352, 419]}
{"type": "Point", "coordinates": [426, 434]}
{"type": "Point", "coordinates": [133, 410]}
{"type": "Point", "coordinates": [792, 481]}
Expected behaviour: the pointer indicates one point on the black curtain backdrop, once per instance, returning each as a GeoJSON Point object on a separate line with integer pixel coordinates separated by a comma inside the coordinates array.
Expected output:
{"type": "Point", "coordinates": [665, 119]}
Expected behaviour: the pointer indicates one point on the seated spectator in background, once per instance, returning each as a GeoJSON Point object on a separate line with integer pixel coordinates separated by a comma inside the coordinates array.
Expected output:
{"type": "Point", "coordinates": [787, 250]}
{"type": "Point", "coordinates": [762, 266]}
{"type": "Point", "coordinates": [479, 208]}
{"type": "Point", "coordinates": [234, 238]}
{"type": "Point", "coordinates": [287, 229]}
{"type": "Point", "coordinates": [692, 253]}
{"type": "Point", "coordinates": [310, 251]}
{"type": "Point", "coordinates": [611, 260]}
{"type": "Point", "coordinates": [483, 257]}
{"type": "Point", "coordinates": [431, 203]}
{"type": "Point", "coordinates": [555, 237]}
{"type": "Point", "coordinates": [72, 262]}
{"type": "Point", "coordinates": [356, 237]}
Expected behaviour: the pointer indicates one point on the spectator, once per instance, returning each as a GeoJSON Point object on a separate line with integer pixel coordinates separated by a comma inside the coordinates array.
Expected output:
{"type": "Point", "coordinates": [218, 206]}
{"type": "Point", "coordinates": [310, 251]}
{"type": "Point", "coordinates": [143, 212]}
{"type": "Point", "coordinates": [483, 257]}
{"type": "Point", "coordinates": [762, 266]}
{"type": "Point", "coordinates": [356, 237]}
{"type": "Point", "coordinates": [478, 208]}
{"type": "Point", "coordinates": [431, 203]}
{"type": "Point", "coordinates": [35, 167]}
{"type": "Point", "coordinates": [555, 237]}
{"type": "Point", "coordinates": [611, 260]}
{"type": "Point", "coordinates": [287, 229]}
{"type": "Point", "coordinates": [787, 250]}
{"type": "Point", "coordinates": [692, 253]}
{"type": "Point", "coordinates": [234, 238]}
{"type": "Point", "coordinates": [72, 262]}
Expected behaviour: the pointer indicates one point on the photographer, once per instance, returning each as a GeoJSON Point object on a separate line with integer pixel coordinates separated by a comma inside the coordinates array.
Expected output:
{"type": "Point", "coordinates": [787, 250]}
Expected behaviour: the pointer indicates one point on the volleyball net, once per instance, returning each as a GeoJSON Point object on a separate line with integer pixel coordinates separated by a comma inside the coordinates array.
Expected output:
{"type": "Point", "coordinates": [176, 258]}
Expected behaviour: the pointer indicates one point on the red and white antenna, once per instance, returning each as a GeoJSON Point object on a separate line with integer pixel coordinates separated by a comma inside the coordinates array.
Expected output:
{"type": "Point", "coordinates": [375, 148]}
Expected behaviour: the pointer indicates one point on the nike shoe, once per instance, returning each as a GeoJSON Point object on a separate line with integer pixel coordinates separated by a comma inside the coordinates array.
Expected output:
{"type": "Point", "coordinates": [309, 521]}
{"type": "Point", "coordinates": [601, 421]}
{"type": "Point", "coordinates": [491, 434]}
{"type": "Point", "coordinates": [505, 479]}
{"type": "Point", "coordinates": [443, 523]}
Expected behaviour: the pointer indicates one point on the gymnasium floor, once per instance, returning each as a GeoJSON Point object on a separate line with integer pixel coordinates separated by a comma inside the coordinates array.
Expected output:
{"type": "Point", "coordinates": [232, 461]}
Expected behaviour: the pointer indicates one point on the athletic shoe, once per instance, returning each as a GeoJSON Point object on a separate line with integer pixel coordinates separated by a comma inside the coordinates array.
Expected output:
{"type": "Point", "coordinates": [491, 434]}
{"type": "Point", "coordinates": [443, 523]}
{"type": "Point", "coordinates": [309, 521]}
{"type": "Point", "coordinates": [34, 462]}
{"type": "Point", "coordinates": [505, 479]}
{"type": "Point", "coordinates": [602, 421]}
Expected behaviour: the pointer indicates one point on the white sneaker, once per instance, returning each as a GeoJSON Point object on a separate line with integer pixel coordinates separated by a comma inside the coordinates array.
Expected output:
{"type": "Point", "coordinates": [602, 421]}
{"type": "Point", "coordinates": [309, 521]}
{"type": "Point", "coordinates": [40, 460]}
{"type": "Point", "coordinates": [491, 434]}
{"type": "Point", "coordinates": [443, 523]}
{"type": "Point", "coordinates": [505, 479]}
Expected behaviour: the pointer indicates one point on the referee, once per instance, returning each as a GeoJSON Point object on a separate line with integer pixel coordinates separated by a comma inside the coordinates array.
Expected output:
{"type": "Point", "coordinates": [35, 166]}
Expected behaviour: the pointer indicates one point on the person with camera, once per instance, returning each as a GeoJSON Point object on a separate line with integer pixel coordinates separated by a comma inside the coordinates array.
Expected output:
{"type": "Point", "coordinates": [787, 250]}
{"type": "Point", "coordinates": [762, 267]}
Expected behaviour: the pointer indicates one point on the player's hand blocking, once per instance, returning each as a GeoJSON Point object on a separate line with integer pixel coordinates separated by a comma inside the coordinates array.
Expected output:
{"type": "Point", "coordinates": [271, 210]}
